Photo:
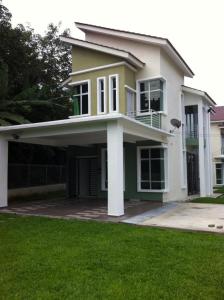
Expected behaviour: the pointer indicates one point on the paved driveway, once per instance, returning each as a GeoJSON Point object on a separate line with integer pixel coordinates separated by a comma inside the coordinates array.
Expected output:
{"type": "Point", "coordinates": [191, 216]}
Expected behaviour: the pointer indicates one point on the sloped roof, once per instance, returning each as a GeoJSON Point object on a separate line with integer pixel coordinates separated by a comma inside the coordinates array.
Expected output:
{"type": "Point", "coordinates": [198, 92]}
{"type": "Point", "coordinates": [218, 115]}
{"type": "Point", "coordinates": [162, 42]}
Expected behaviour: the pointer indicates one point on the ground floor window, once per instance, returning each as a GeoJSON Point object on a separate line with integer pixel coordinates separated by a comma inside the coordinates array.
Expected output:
{"type": "Point", "coordinates": [151, 168]}
{"type": "Point", "coordinates": [219, 173]}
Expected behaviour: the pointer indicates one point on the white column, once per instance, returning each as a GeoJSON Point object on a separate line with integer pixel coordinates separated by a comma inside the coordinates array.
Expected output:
{"type": "Point", "coordinates": [115, 169]}
{"type": "Point", "coordinates": [201, 152]}
{"type": "Point", "coordinates": [3, 173]}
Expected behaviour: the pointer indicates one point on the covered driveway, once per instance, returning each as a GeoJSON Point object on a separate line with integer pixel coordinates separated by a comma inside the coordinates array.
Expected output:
{"type": "Point", "coordinates": [112, 130]}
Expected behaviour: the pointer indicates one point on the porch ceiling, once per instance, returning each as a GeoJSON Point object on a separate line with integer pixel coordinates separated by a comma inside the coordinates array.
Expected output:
{"type": "Point", "coordinates": [81, 131]}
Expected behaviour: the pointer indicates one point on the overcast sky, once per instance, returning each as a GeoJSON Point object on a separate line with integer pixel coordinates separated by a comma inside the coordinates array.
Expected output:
{"type": "Point", "coordinates": [194, 27]}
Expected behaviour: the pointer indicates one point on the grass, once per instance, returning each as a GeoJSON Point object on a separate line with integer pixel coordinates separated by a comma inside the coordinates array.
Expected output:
{"type": "Point", "coordinates": [45, 258]}
{"type": "Point", "coordinates": [219, 190]}
{"type": "Point", "coordinates": [212, 200]}
{"type": "Point", "coordinates": [209, 200]}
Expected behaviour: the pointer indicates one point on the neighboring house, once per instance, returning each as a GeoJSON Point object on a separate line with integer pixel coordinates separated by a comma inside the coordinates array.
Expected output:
{"type": "Point", "coordinates": [127, 90]}
{"type": "Point", "coordinates": [217, 141]}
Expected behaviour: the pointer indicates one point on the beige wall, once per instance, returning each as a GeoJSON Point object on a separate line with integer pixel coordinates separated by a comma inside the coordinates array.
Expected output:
{"type": "Point", "coordinates": [150, 55]}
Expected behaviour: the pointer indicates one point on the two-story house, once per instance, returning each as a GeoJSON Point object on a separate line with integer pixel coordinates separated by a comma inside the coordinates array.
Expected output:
{"type": "Point", "coordinates": [136, 131]}
{"type": "Point", "coordinates": [217, 141]}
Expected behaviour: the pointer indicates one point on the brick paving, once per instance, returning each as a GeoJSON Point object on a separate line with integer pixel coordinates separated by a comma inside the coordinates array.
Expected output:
{"type": "Point", "coordinates": [85, 209]}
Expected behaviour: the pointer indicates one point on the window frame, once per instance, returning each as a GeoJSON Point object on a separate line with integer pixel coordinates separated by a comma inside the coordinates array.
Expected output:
{"type": "Point", "coordinates": [222, 173]}
{"type": "Point", "coordinates": [99, 112]}
{"type": "Point", "coordinates": [111, 110]}
{"type": "Point", "coordinates": [75, 83]}
{"type": "Point", "coordinates": [139, 189]}
{"type": "Point", "coordinates": [164, 91]}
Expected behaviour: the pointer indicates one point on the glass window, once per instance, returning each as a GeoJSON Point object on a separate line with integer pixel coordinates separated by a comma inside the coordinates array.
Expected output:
{"type": "Point", "coordinates": [81, 99]}
{"type": "Point", "coordinates": [152, 169]}
{"type": "Point", "coordinates": [101, 95]}
{"type": "Point", "coordinates": [113, 93]}
{"type": "Point", "coordinates": [219, 174]}
{"type": "Point", "coordinates": [151, 95]}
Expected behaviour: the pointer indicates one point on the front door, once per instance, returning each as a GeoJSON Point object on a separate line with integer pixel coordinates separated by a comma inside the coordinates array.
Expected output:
{"type": "Point", "coordinates": [87, 177]}
{"type": "Point", "coordinates": [193, 173]}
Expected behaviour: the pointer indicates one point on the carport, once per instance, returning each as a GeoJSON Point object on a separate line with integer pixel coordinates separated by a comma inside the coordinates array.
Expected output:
{"type": "Point", "coordinates": [112, 130]}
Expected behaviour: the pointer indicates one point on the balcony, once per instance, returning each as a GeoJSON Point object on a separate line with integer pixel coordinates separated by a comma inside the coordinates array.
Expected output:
{"type": "Point", "coordinates": [151, 118]}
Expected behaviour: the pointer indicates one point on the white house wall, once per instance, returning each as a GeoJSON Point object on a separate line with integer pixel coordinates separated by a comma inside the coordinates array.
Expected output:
{"type": "Point", "coordinates": [150, 55]}
{"type": "Point", "coordinates": [174, 80]}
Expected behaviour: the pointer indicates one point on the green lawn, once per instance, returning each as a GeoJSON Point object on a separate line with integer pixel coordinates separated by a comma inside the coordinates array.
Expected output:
{"type": "Point", "coordinates": [43, 258]}
{"type": "Point", "coordinates": [218, 200]}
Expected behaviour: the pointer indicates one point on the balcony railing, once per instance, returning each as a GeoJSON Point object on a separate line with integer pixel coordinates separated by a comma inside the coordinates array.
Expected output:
{"type": "Point", "coordinates": [151, 118]}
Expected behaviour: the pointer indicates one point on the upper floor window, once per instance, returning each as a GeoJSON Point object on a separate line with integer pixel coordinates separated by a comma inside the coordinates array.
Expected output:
{"type": "Point", "coordinates": [81, 98]}
{"type": "Point", "coordinates": [150, 96]}
{"type": "Point", "coordinates": [191, 121]}
{"type": "Point", "coordinates": [114, 93]}
{"type": "Point", "coordinates": [101, 95]}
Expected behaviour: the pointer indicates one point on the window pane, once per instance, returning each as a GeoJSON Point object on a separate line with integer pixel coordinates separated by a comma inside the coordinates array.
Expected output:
{"type": "Point", "coordinates": [101, 84]}
{"type": "Point", "coordinates": [114, 83]}
{"type": "Point", "coordinates": [156, 100]}
{"type": "Point", "coordinates": [114, 99]}
{"type": "Point", "coordinates": [156, 85]}
{"type": "Point", "coordinates": [145, 185]}
{"type": "Point", "coordinates": [77, 89]}
{"type": "Point", "coordinates": [145, 153]}
{"type": "Point", "coordinates": [158, 185]}
{"type": "Point", "coordinates": [157, 153]}
{"type": "Point", "coordinates": [85, 104]}
{"type": "Point", "coordinates": [76, 105]}
{"type": "Point", "coordinates": [144, 102]}
{"type": "Point", "coordinates": [157, 170]}
{"type": "Point", "coordinates": [144, 86]}
{"type": "Point", "coordinates": [85, 88]}
{"type": "Point", "coordinates": [102, 102]}
{"type": "Point", "coordinates": [145, 170]}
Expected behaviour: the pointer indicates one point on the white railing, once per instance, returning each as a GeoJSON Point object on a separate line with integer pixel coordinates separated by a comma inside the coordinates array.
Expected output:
{"type": "Point", "coordinates": [149, 117]}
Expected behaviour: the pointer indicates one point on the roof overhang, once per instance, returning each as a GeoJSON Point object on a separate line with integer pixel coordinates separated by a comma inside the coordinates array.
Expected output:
{"type": "Point", "coordinates": [81, 131]}
{"type": "Point", "coordinates": [129, 57]}
{"type": "Point", "coordinates": [200, 93]}
{"type": "Point", "coordinates": [165, 44]}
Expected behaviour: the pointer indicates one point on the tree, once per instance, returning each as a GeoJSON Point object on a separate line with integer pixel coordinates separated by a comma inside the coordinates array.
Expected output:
{"type": "Point", "coordinates": [31, 69]}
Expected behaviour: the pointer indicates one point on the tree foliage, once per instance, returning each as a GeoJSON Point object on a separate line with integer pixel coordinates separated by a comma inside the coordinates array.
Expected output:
{"type": "Point", "coordinates": [32, 67]}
